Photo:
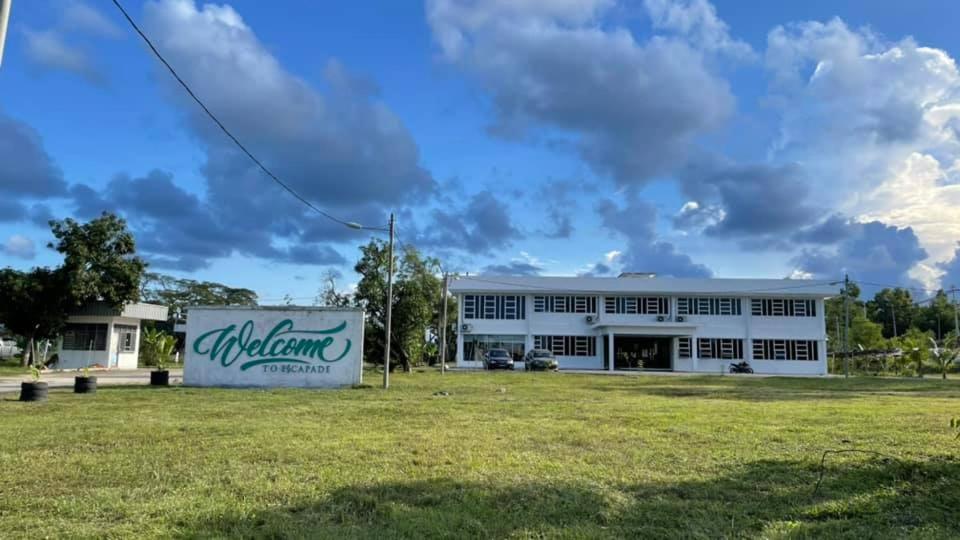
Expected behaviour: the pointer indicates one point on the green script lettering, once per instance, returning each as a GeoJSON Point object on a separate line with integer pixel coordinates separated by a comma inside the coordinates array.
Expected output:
{"type": "Point", "coordinates": [283, 344]}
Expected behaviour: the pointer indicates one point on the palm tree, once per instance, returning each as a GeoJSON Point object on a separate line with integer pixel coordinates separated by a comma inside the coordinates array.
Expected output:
{"type": "Point", "coordinates": [944, 358]}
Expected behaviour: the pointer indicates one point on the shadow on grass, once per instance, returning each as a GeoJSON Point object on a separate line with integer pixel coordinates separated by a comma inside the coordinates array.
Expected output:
{"type": "Point", "coordinates": [859, 498]}
{"type": "Point", "coordinates": [784, 389]}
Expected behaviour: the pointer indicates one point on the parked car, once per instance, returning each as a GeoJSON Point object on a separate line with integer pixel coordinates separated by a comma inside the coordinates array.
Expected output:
{"type": "Point", "coordinates": [539, 360]}
{"type": "Point", "coordinates": [8, 348]}
{"type": "Point", "coordinates": [498, 359]}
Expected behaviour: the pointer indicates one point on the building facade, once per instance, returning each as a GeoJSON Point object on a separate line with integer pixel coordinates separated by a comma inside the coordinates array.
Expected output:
{"type": "Point", "coordinates": [643, 322]}
{"type": "Point", "coordinates": [98, 335]}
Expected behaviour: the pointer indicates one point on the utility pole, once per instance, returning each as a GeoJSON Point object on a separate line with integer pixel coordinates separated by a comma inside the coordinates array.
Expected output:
{"type": "Point", "coordinates": [443, 328]}
{"type": "Point", "coordinates": [846, 325]}
{"type": "Point", "coordinates": [4, 22]}
{"type": "Point", "coordinates": [386, 346]}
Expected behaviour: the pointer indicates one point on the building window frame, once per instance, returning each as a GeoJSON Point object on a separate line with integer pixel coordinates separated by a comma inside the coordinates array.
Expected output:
{"type": "Point", "coordinates": [801, 350]}
{"type": "Point", "coordinates": [636, 305]}
{"type": "Point", "coordinates": [720, 348]}
{"type": "Point", "coordinates": [564, 304]}
{"type": "Point", "coordinates": [783, 307]}
{"type": "Point", "coordinates": [708, 305]}
{"type": "Point", "coordinates": [85, 337]}
{"type": "Point", "coordinates": [567, 345]}
{"type": "Point", "coordinates": [127, 337]}
{"type": "Point", "coordinates": [494, 306]}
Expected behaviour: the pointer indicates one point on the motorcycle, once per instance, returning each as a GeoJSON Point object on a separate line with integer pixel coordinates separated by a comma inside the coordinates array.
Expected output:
{"type": "Point", "coordinates": [741, 367]}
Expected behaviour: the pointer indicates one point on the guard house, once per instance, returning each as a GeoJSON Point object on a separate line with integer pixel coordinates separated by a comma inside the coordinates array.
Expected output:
{"type": "Point", "coordinates": [639, 321]}
{"type": "Point", "coordinates": [99, 335]}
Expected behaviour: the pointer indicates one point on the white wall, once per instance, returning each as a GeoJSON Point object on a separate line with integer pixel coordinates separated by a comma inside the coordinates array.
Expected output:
{"type": "Point", "coordinates": [745, 327]}
{"type": "Point", "coordinates": [81, 359]}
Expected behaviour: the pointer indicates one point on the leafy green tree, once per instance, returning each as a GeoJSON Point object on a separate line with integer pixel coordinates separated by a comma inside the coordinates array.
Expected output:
{"type": "Point", "coordinates": [889, 304]}
{"type": "Point", "coordinates": [416, 293]}
{"type": "Point", "coordinates": [834, 315]}
{"type": "Point", "coordinates": [947, 354]}
{"type": "Point", "coordinates": [866, 333]}
{"type": "Point", "coordinates": [916, 350]}
{"type": "Point", "coordinates": [157, 347]}
{"type": "Point", "coordinates": [99, 260]}
{"type": "Point", "coordinates": [34, 305]}
{"type": "Point", "coordinates": [178, 294]}
{"type": "Point", "coordinates": [936, 316]}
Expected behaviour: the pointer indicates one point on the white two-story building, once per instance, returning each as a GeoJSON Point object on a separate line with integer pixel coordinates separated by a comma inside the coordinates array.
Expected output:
{"type": "Point", "coordinates": [643, 322]}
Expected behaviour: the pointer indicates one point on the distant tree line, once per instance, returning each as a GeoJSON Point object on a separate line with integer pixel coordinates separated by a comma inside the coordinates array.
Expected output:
{"type": "Point", "coordinates": [923, 333]}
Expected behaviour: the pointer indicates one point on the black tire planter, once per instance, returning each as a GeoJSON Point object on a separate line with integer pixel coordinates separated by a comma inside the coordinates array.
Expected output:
{"type": "Point", "coordinates": [33, 391]}
{"type": "Point", "coordinates": [160, 378]}
{"type": "Point", "coordinates": [84, 385]}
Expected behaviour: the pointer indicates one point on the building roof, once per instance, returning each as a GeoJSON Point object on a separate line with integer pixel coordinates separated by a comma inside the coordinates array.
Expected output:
{"type": "Point", "coordinates": [646, 285]}
{"type": "Point", "coordinates": [149, 312]}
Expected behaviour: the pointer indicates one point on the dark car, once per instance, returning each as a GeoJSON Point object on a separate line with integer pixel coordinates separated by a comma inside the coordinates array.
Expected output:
{"type": "Point", "coordinates": [539, 360]}
{"type": "Point", "coordinates": [497, 359]}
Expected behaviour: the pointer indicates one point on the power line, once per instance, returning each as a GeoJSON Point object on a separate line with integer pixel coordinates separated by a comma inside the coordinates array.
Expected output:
{"type": "Point", "coordinates": [889, 286]}
{"type": "Point", "coordinates": [226, 131]}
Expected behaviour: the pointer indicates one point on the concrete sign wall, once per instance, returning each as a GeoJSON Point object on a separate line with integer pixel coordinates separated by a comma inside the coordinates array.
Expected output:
{"type": "Point", "coordinates": [273, 347]}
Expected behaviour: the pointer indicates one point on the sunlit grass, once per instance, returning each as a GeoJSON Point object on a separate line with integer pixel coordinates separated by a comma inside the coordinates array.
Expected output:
{"type": "Point", "coordinates": [504, 455]}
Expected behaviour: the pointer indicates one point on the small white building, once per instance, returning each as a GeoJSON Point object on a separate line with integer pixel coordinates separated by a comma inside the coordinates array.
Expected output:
{"type": "Point", "coordinates": [638, 321]}
{"type": "Point", "coordinates": [99, 335]}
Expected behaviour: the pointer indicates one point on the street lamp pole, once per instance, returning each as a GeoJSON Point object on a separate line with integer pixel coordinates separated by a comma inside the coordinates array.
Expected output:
{"type": "Point", "coordinates": [386, 346]}
{"type": "Point", "coordinates": [4, 22]}
{"type": "Point", "coordinates": [956, 318]}
{"type": "Point", "coordinates": [443, 328]}
{"type": "Point", "coordinates": [846, 326]}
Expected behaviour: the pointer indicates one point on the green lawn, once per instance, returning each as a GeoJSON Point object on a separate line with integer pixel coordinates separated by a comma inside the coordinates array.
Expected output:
{"type": "Point", "coordinates": [504, 455]}
{"type": "Point", "coordinates": [10, 367]}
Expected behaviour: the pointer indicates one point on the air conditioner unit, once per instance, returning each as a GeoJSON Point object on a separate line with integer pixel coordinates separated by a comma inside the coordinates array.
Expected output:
{"type": "Point", "coordinates": [591, 318]}
{"type": "Point", "coordinates": [681, 318]}
{"type": "Point", "coordinates": [466, 328]}
{"type": "Point", "coordinates": [661, 318]}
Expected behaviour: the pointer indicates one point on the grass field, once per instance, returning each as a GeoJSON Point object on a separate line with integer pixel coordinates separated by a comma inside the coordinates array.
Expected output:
{"type": "Point", "coordinates": [10, 367]}
{"type": "Point", "coordinates": [504, 455]}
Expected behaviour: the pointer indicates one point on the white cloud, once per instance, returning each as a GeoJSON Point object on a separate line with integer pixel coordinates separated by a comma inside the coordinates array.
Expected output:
{"type": "Point", "coordinates": [694, 217]}
{"type": "Point", "coordinates": [19, 246]}
{"type": "Point", "coordinates": [918, 195]}
{"type": "Point", "coordinates": [874, 124]}
{"type": "Point", "coordinates": [48, 50]}
{"type": "Point", "coordinates": [630, 108]}
{"type": "Point", "coordinates": [698, 20]}
{"type": "Point", "coordinates": [81, 17]}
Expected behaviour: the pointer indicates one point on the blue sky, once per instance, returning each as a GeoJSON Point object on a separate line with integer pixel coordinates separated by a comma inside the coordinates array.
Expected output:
{"type": "Point", "coordinates": [732, 139]}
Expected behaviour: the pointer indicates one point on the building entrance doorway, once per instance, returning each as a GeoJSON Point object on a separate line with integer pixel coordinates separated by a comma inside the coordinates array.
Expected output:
{"type": "Point", "coordinates": [640, 352]}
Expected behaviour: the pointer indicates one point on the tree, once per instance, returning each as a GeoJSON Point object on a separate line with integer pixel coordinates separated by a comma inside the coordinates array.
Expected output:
{"type": "Point", "coordinates": [329, 296]}
{"type": "Point", "coordinates": [416, 293]}
{"type": "Point", "coordinates": [866, 333]}
{"type": "Point", "coordinates": [889, 304]}
{"type": "Point", "coordinates": [944, 357]}
{"type": "Point", "coordinates": [936, 316]}
{"type": "Point", "coordinates": [916, 349]}
{"type": "Point", "coordinates": [99, 260]}
{"type": "Point", "coordinates": [834, 315]}
{"type": "Point", "coordinates": [34, 305]}
{"type": "Point", "coordinates": [157, 347]}
{"type": "Point", "coordinates": [178, 294]}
